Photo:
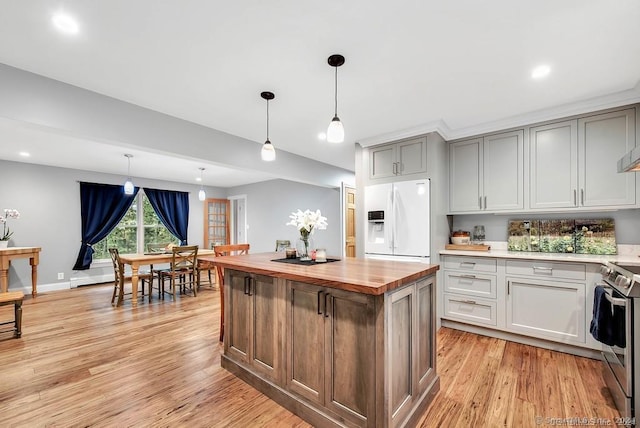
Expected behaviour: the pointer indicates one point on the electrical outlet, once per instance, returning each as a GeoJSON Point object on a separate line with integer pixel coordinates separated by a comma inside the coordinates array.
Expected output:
{"type": "Point", "coordinates": [60, 275]}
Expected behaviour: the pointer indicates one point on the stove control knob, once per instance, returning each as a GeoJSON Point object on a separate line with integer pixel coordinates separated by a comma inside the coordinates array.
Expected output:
{"type": "Point", "coordinates": [605, 271]}
{"type": "Point", "coordinates": [622, 281]}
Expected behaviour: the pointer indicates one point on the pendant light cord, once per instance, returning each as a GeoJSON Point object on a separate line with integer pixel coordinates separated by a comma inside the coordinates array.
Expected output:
{"type": "Point", "coordinates": [336, 92]}
{"type": "Point", "coordinates": [267, 120]}
{"type": "Point", "coordinates": [129, 166]}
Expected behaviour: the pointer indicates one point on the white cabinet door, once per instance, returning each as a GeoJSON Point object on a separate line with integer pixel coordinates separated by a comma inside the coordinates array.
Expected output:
{"type": "Point", "coordinates": [553, 161]}
{"type": "Point", "coordinates": [465, 170]}
{"type": "Point", "coordinates": [503, 171]}
{"type": "Point", "coordinates": [546, 309]}
{"type": "Point", "coordinates": [603, 139]}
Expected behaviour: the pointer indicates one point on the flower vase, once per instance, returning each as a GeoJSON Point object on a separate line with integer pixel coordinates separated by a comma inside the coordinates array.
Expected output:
{"type": "Point", "coordinates": [4, 244]}
{"type": "Point", "coordinates": [304, 247]}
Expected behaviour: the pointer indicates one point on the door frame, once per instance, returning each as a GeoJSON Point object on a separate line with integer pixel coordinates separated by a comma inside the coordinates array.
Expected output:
{"type": "Point", "coordinates": [343, 217]}
{"type": "Point", "coordinates": [233, 200]}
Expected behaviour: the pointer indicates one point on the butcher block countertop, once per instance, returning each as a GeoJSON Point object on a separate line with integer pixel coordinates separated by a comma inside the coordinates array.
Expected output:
{"type": "Point", "coordinates": [366, 276]}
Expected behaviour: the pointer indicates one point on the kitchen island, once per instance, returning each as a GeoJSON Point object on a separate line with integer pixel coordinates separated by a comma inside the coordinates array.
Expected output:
{"type": "Point", "coordinates": [344, 343]}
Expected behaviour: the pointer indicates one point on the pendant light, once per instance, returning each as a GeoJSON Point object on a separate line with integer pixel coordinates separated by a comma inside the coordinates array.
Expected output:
{"type": "Point", "coordinates": [128, 185]}
{"type": "Point", "coordinates": [268, 152]}
{"type": "Point", "coordinates": [201, 194]}
{"type": "Point", "coordinates": [335, 132]}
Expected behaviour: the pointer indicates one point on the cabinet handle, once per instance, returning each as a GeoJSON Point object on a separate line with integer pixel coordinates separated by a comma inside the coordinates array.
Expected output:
{"type": "Point", "coordinates": [468, 302]}
{"type": "Point", "coordinates": [544, 269]}
{"type": "Point", "coordinates": [575, 197]}
{"type": "Point", "coordinates": [246, 284]}
{"type": "Point", "coordinates": [319, 311]}
{"type": "Point", "coordinates": [480, 201]}
{"type": "Point", "coordinates": [485, 202]}
{"type": "Point", "coordinates": [582, 197]}
{"type": "Point", "coordinates": [394, 168]}
{"type": "Point", "coordinates": [463, 276]}
{"type": "Point", "coordinates": [326, 312]}
{"type": "Point", "coordinates": [468, 263]}
{"type": "Point", "coordinates": [508, 287]}
{"type": "Point", "coordinates": [252, 283]}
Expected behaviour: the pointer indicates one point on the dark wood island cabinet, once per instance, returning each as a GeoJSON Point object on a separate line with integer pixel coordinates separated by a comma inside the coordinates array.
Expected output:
{"type": "Point", "coordinates": [347, 343]}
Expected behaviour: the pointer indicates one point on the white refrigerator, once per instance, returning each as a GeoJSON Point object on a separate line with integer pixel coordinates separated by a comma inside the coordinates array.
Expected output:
{"type": "Point", "coordinates": [397, 221]}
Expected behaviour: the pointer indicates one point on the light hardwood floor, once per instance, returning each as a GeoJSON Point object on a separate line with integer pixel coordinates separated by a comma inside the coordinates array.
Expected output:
{"type": "Point", "coordinates": [82, 362]}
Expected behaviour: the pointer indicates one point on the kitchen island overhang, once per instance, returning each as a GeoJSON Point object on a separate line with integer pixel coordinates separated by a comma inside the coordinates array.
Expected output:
{"type": "Point", "coordinates": [347, 343]}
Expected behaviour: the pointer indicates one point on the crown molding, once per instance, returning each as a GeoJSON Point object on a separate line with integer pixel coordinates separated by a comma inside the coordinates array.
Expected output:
{"type": "Point", "coordinates": [617, 99]}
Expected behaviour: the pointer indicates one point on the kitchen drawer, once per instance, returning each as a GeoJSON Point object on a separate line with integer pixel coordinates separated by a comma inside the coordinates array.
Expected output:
{"type": "Point", "coordinates": [470, 309]}
{"type": "Point", "coordinates": [543, 269]}
{"type": "Point", "coordinates": [475, 264]}
{"type": "Point", "coordinates": [471, 284]}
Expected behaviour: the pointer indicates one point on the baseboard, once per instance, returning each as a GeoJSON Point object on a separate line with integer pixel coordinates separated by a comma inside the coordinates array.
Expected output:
{"type": "Point", "coordinates": [44, 288]}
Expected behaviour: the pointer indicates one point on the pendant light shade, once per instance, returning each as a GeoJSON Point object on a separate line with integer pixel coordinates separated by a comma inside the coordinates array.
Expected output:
{"type": "Point", "coordinates": [268, 152]}
{"type": "Point", "coordinates": [201, 194]}
{"type": "Point", "coordinates": [128, 185]}
{"type": "Point", "coordinates": [335, 131]}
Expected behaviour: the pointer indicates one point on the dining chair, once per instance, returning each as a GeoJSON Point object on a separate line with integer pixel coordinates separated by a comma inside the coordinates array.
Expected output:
{"type": "Point", "coordinates": [120, 278]}
{"type": "Point", "coordinates": [155, 273]}
{"type": "Point", "coordinates": [226, 250]}
{"type": "Point", "coordinates": [281, 244]}
{"type": "Point", "coordinates": [204, 266]}
{"type": "Point", "coordinates": [183, 271]}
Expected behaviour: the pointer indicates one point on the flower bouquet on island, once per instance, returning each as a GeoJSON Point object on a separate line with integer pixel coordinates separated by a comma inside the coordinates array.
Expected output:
{"type": "Point", "coordinates": [306, 222]}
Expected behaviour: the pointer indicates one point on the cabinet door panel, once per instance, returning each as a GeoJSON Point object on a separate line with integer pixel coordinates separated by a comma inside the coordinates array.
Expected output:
{"type": "Point", "coordinates": [553, 163]}
{"type": "Point", "coordinates": [350, 343]}
{"type": "Point", "coordinates": [265, 325]}
{"type": "Point", "coordinates": [412, 156]}
{"type": "Point", "coordinates": [464, 173]}
{"type": "Point", "coordinates": [553, 310]}
{"type": "Point", "coordinates": [603, 140]}
{"type": "Point", "coordinates": [426, 339]}
{"type": "Point", "coordinates": [306, 342]}
{"type": "Point", "coordinates": [381, 160]}
{"type": "Point", "coordinates": [401, 361]}
{"type": "Point", "coordinates": [503, 171]}
{"type": "Point", "coordinates": [237, 334]}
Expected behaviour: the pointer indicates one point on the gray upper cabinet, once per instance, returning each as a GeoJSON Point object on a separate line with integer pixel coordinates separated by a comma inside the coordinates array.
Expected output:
{"type": "Point", "coordinates": [403, 158]}
{"type": "Point", "coordinates": [487, 173]}
{"type": "Point", "coordinates": [573, 163]}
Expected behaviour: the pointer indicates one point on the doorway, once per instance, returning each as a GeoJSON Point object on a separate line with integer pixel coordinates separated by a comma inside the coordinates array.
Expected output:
{"type": "Point", "coordinates": [238, 219]}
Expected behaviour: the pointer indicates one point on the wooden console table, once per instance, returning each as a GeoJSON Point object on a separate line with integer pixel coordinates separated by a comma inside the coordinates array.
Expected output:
{"type": "Point", "coordinates": [8, 254]}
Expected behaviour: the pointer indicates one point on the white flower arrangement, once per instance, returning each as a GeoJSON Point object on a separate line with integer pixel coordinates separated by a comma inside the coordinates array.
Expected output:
{"type": "Point", "coordinates": [308, 221]}
{"type": "Point", "coordinates": [6, 232]}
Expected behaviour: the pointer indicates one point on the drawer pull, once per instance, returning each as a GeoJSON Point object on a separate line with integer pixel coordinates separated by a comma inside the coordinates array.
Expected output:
{"type": "Point", "coordinates": [543, 268]}
{"type": "Point", "coordinates": [465, 276]}
{"type": "Point", "coordinates": [468, 263]}
{"type": "Point", "coordinates": [468, 302]}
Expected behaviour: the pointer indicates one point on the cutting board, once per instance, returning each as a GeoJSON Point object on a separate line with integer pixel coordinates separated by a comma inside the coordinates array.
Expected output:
{"type": "Point", "coordinates": [470, 247]}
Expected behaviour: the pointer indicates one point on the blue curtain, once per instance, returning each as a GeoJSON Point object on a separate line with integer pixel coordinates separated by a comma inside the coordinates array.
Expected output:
{"type": "Point", "coordinates": [102, 206]}
{"type": "Point", "coordinates": [173, 210]}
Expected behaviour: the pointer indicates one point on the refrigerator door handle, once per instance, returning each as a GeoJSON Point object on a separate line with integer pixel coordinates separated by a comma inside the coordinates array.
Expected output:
{"type": "Point", "coordinates": [388, 232]}
{"type": "Point", "coordinates": [395, 218]}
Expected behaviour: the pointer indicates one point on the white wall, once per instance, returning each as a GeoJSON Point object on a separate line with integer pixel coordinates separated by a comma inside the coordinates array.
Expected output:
{"type": "Point", "coordinates": [270, 203]}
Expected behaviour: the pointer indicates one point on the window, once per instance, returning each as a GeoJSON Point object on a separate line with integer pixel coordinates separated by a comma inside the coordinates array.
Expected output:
{"type": "Point", "coordinates": [137, 229]}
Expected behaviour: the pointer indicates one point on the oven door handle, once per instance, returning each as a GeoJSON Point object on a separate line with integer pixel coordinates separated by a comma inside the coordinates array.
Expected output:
{"type": "Point", "coordinates": [614, 300]}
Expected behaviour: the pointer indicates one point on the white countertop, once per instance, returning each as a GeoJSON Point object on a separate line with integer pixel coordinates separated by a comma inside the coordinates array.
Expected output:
{"type": "Point", "coordinates": [627, 254]}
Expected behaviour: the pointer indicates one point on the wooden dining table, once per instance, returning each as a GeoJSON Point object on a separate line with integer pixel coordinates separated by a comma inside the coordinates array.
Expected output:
{"type": "Point", "coordinates": [8, 254]}
{"type": "Point", "coordinates": [146, 259]}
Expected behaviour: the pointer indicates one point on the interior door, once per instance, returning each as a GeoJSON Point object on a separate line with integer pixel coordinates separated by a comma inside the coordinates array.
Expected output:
{"type": "Point", "coordinates": [350, 221]}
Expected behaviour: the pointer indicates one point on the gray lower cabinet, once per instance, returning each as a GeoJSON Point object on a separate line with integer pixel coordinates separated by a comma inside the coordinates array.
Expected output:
{"type": "Point", "coordinates": [252, 337]}
{"type": "Point", "coordinates": [404, 158]}
{"type": "Point", "coordinates": [330, 349]}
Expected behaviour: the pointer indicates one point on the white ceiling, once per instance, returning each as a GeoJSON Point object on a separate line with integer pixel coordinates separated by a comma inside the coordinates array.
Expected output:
{"type": "Point", "coordinates": [408, 63]}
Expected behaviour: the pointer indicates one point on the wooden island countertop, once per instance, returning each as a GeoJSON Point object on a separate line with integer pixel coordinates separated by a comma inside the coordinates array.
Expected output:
{"type": "Point", "coordinates": [366, 276]}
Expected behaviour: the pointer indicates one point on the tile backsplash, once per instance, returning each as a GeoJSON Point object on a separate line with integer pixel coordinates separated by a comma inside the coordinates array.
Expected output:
{"type": "Point", "coordinates": [589, 236]}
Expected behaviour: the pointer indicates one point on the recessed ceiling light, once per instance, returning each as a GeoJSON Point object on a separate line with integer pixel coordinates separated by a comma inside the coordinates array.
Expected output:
{"type": "Point", "coordinates": [65, 23]}
{"type": "Point", "coordinates": [540, 71]}
{"type": "Point", "coordinates": [198, 178]}
{"type": "Point", "coordinates": [25, 154]}
{"type": "Point", "coordinates": [322, 136]}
